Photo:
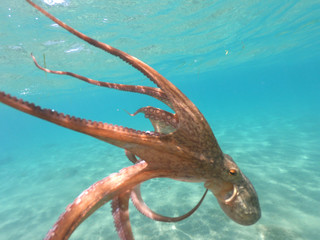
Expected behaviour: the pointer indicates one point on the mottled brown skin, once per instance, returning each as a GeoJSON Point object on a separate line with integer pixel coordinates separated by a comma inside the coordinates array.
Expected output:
{"type": "Point", "coordinates": [144, 209]}
{"type": "Point", "coordinates": [120, 208]}
{"type": "Point", "coordinates": [182, 147]}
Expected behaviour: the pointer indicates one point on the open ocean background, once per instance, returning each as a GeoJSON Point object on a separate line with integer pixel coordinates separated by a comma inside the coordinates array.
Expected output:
{"type": "Point", "coordinates": [251, 67]}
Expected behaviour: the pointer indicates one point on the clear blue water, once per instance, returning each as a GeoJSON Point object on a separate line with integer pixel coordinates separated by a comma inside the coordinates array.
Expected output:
{"type": "Point", "coordinates": [252, 68]}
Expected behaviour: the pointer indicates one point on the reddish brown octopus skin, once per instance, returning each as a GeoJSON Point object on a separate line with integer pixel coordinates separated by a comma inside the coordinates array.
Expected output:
{"type": "Point", "coordinates": [182, 147]}
{"type": "Point", "coordinates": [120, 208]}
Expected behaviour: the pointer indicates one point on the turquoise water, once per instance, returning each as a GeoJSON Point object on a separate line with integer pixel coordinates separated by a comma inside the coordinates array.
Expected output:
{"type": "Point", "coordinates": [251, 67]}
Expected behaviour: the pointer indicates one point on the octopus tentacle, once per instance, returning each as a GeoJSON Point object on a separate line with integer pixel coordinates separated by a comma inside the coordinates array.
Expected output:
{"type": "Point", "coordinates": [120, 213]}
{"type": "Point", "coordinates": [131, 157]}
{"type": "Point", "coordinates": [120, 208]}
{"type": "Point", "coordinates": [145, 210]}
{"type": "Point", "coordinates": [116, 135]}
{"type": "Point", "coordinates": [98, 194]}
{"type": "Point", "coordinates": [151, 91]}
{"type": "Point", "coordinates": [162, 121]}
{"type": "Point", "coordinates": [136, 63]}
{"type": "Point", "coordinates": [192, 122]}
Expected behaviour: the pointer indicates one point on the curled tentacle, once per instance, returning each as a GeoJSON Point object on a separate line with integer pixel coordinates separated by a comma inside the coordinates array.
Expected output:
{"type": "Point", "coordinates": [131, 157]}
{"type": "Point", "coordinates": [145, 210]}
{"type": "Point", "coordinates": [162, 121]}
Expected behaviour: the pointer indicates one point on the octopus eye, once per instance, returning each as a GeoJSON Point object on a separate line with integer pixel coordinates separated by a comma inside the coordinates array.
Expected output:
{"type": "Point", "coordinates": [232, 172]}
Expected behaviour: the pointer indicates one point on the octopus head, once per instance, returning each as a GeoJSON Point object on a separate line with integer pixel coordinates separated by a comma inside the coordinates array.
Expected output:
{"type": "Point", "coordinates": [235, 193]}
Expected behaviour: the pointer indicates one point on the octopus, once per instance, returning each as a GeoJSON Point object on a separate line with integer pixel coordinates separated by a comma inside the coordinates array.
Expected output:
{"type": "Point", "coordinates": [182, 147]}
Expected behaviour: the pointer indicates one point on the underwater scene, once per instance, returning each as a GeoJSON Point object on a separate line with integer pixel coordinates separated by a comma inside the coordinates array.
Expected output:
{"type": "Point", "coordinates": [251, 67]}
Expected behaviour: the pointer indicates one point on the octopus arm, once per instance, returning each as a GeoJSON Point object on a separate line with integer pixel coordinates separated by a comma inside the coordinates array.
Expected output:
{"type": "Point", "coordinates": [113, 134]}
{"type": "Point", "coordinates": [151, 91]}
{"type": "Point", "coordinates": [96, 195]}
{"type": "Point", "coordinates": [145, 210]}
{"type": "Point", "coordinates": [120, 213]}
{"type": "Point", "coordinates": [162, 121]}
